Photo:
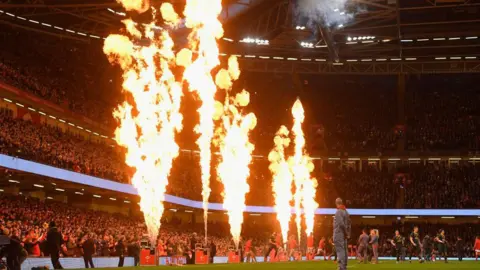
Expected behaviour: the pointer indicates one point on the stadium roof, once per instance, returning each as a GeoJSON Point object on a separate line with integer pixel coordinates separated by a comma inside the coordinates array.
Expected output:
{"type": "Point", "coordinates": [356, 36]}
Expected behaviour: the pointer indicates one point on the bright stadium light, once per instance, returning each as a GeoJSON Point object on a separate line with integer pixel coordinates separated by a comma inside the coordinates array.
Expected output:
{"type": "Point", "coordinates": [355, 38]}
{"type": "Point", "coordinates": [349, 39]}
{"type": "Point", "coordinates": [37, 185]}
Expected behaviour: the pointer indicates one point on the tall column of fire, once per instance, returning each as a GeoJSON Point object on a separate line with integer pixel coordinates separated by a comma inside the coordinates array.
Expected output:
{"type": "Point", "coordinates": [202, 18]}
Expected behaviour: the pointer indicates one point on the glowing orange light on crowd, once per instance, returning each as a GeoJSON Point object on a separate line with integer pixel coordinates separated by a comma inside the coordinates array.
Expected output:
{"type": "Point", "coordinates": [282, 180]}
{"type": "Point", "coordinates": [302, 166]}
{"type": "Point", "coordinates": [235, 148]}
{"type": "Point", "coordinates": [150, 117]}
{"type": "Point", "coordinates": [202, 18]}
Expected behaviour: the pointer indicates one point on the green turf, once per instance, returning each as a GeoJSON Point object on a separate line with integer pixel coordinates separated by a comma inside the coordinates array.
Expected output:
{"type": "Point", "coordinates": [327, 265]}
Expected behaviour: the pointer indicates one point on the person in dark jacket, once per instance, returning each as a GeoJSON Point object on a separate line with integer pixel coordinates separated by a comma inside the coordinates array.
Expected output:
{"type": "Point", "coordinates": [120, 248]}
{"type": "Point", "coordinates": [88, 248]}
{"type": "Point", "coordinates": [460, 246]}
{"type": "Point", "coordinates": [427, 247]}
{"type": "Point", "coordinates": [14, 252]}
{"type": "Point", "coordinates": [135, 249]}
{"type": "Point", "coordinates": [213, 251]}
{"type": "Point", "coordinates": [193, 243]}
{"type": "Point", "coordinates": [54, 245]}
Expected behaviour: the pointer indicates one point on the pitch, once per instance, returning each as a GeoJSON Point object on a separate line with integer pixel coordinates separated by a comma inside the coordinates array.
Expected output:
{"type": "Point", "coordinates": [326, 265]}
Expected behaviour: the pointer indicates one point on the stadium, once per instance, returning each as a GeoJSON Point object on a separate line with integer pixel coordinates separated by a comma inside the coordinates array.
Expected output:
{"type": "Point", "coordinates": [237, 134]}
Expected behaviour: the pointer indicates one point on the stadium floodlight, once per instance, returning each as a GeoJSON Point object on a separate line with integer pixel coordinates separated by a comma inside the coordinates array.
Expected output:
{"type": "Point", "coordinates": [354, 38]}
{"type": "Point", "coordinates": [298, 27]}
{"type": "Point", "coordinates": [78, 193]}
{"type": "Point", "coordinates": [411, 59]}
{"type": "Point", "coordinates": [188, 211]}
{"type": "Point", "coordinates": [352, 60]}
{"type": "Point", "coordinates": [471, 37]}
{"type": "Point", "coordinates": [60, 189]}
{"type": "Point", "coordinates": [340, 25]}
{"type": "Point", "coordinates": [37, 185]}
{"type": "Point", "coordinates": [411, 217]}
{"type": "Point", "coordinates": [255, 215]}
{"type": "Point", "coordinates": [439, 38]}
{"type": "Point", "coordinates": [97, 196]}
{"type": "Point", "coordinates": [423, 39]}
{"type": "Point", "coordinates": [407, 40]}
{"type": "Point", "coordinates": [454, 38]}
{"type": "Point", "coordinates": [440, 58]}
{"type": "Point", "coordinates": [448, 217]}
{"type": "Point", "coordinates": [370, 217]}
{"type": "Point", "coordinates": [349, 38]}
{"type": "Point", "coordinates": [470, 57]}
{"type": "Point", "coordinates": [336, 10]}
{"type": "Point", "coordinates": [49, 198]}
{"type": "Point", "coordinates": [31, 109]}
{"type": "Point", "coordinates": [7, 100]}
{"type": "Point", "coordinates": [113, 199]}
{"type": "Point", "coordinates": [14, 181]}
{"type": "Point", "coordinates": [19, 104]}
{"type": "Point", "coordinates": [173, 210]}
{"type": "Point", "coordinates": [126, 201]}
{"type": "Point", "coordinates": [455, 58]}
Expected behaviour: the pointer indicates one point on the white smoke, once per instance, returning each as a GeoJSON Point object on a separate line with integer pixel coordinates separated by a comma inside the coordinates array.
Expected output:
{"type": "Point", "coordinates": [329, 13]}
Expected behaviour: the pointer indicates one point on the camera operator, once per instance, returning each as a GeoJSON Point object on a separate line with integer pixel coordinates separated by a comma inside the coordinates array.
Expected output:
{"type": "Point", "coordinates": [14, 251]}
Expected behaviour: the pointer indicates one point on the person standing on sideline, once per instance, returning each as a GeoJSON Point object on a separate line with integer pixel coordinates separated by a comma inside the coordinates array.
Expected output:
{"type": "Point", "coordinates": [460, 246]}
{"type": "Point", "coordinates": [341, 233]}
{"type": "Point", "coordinates": [54, 245]}
{"type": "Point", "coordinates": [88, 248]}
{"type": "Point", "coordinates": [363, 246]}
{"type": "Point", "coordinates": [120, 248]}
{"type": "Point", "coordinates": [416, 247]}
{"type": "Point", "coordinates": [374, 236]}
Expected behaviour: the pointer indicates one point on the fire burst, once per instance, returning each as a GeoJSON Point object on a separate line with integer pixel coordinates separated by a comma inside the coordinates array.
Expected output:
{"type": "Point", "coordinates": [302, 166]}
{"type": "Point", "coordinates": [235, 148]}
{"type": "Point", "coordinates": [282, 180]}
{"type": "Point", "coordinates": [298, 167]}
{"type": "Point", "coordinates": [150, 117]}
{"type": "Point", "coordinates": [202, 18]}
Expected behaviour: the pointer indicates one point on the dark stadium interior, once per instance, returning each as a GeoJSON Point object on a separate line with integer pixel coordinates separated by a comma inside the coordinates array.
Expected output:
{"type": "Point", "coordinates": [392, 104]}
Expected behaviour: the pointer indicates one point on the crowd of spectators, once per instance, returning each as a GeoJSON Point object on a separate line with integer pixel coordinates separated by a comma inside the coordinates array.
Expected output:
{"type": "Point", "coordinates": [443, 113]}
{"type": "Point", "coordinates": [431, 185]}
{"type": "Point", "coordinates": [69, 73]}
{"type": "Point", "coordinates": [51, 145]}
{"type": "Point", "coordinates": [28, 218]}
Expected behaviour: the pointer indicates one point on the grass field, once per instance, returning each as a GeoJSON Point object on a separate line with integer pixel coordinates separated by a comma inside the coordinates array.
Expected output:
{"type": "Point", "coordinates": [326, 265]}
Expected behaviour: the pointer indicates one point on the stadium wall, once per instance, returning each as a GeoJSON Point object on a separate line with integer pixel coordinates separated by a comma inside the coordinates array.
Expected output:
{"type": "Point", "coordinates": [109, 262]}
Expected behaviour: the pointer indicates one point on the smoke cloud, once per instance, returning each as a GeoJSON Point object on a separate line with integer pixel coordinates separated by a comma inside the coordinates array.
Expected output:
{"type": "Point", "coordinates": [329, 13]}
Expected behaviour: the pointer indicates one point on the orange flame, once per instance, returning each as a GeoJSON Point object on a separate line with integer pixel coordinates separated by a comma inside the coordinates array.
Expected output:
{"type": "Point", "coordinates": [137, 5]}
{"type": "Point", "coordinates": [151, 118]}
{"type": "Point", "coordinates": [202, 18]}
{"type": "Point", "coordinates": [301, 168]}
{"type": "Point", "coordinates": [235, 149]}
{"type": "Point", "coordinates": [282, 180]}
